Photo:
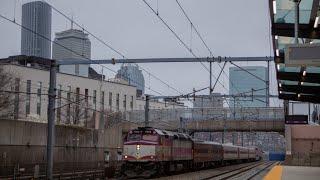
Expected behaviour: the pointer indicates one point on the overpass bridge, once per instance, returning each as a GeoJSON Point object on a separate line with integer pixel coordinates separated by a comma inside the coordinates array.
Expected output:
{"type": "Point", "coordinates": [210, 120]}
{"type": "Point", "coordinates": [215, 126]}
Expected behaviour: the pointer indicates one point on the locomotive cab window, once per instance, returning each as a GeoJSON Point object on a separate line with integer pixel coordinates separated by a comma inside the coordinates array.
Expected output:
{"type": "Point", "coordinates": [134, 137]}
{"type": "Point", "coordinates": [150, 137]}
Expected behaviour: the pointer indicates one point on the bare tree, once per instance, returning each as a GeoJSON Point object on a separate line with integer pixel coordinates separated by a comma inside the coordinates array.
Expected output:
{"type": "Point", "coordinates": [8, 92]}
{"type": "Point", "coordinates": [75, 110]}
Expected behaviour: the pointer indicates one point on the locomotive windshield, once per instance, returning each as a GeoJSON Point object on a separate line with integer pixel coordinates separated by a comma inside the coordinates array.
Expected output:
{"type": "Point", "coordinates": [134, 137]}
{"type": "Point", "coordinates": [142, 135]}
{"type": "Point", "coordinates": [150, 137]}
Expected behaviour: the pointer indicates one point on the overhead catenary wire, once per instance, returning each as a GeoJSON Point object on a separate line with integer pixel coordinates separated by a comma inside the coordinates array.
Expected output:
{"type": "Point", "coordinates": [110, 47]}
{"type": "Point", "coordinates": [202, 40]}
{"type": "Point", "coordinates": [207, 47]}
{"type": "Point", "coordinates": [179, 38]}
{"type": "Point", "coordinates": [248, 72]}
{"type": "Point", "coordinates": [49, 39]}
{"type": "Point", "coordinates": [205, 44]}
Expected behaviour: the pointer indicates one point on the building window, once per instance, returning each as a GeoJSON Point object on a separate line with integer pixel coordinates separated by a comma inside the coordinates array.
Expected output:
{"type": "Point", "coordinates": [69, 105]}
{"type": "Point", "coordinates": [102, 107]}
{"type": "Point", "coordinates": [125, 102]}
{"type": "Point", "coordinates": [102, 100]}
{"type": "Point", "coordinates": [16, 98]}
{"type": "Point", "coordinates": [77, 69]}
{"type": "Point", "coordinates": [117, 102]}
{"type": "Point", "coordinates": [86, 97]}
{"type": "Point", "coordinates": [39, 90]}
{"type": "Point", "coordinates": [131, 103]}
{"type": "Point", "coordinates": [95, 99]}
{"type": "Point", "coordinates": [59, 103]}
{"type": "Point", "coordinates": [28, 98]}
{"type": "Point", "coordinates": [77, 110]}
{"type": "Point", "coordinates": [110, 100]}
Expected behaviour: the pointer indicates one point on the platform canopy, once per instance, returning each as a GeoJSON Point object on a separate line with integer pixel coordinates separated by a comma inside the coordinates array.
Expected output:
{"type": "Point", "coordinates": [298, 83]}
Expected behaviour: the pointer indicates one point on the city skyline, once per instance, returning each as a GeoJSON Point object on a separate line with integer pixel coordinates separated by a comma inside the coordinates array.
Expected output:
{"type": "Point", "coordinates": [199, 80]}
{"type": "Point", "coordinates": [36, 16]}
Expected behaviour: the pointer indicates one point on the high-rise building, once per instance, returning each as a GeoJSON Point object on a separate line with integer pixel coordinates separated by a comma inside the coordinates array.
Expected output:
{"type": "Point", "coordinates": [36, 17]}
{"type": "Point", "coordinates": [72, 44]}
{"type": "Point", "coordinates": [241, 81]}
{"type": "Point", "coordinates": [134, 76]}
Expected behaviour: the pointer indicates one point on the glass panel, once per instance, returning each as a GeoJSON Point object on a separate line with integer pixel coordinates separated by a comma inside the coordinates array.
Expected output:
{"type": "Point", "coordinates": [310, 84]}
{"type": "Point", "coordinates": [148, 137]}
{"type": "Point", "coordinates": [312, 69]}
{"type": "Point", "coordinates": [285, 11]}
{"type": "Point", "coordinates": [134, 137]}
{"type": "Point", "coordinates": [285, 82]}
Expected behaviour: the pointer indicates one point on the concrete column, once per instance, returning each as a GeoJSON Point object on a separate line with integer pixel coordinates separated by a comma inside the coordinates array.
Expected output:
{"type": "Point", "coordinates": [288, 139]}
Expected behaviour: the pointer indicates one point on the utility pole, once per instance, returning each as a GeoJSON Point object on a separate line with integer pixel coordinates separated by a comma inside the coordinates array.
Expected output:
{"type": "Point", "coordinates": [51, 118]}
{"type": "Point", "coordinates": [210, 74]}
{"type": "Point", "coordinates": [268, 85]}
{"type": "Point", "coordinates": [296, 22]}
{"type": "Point", "coordinates": [146, 115]}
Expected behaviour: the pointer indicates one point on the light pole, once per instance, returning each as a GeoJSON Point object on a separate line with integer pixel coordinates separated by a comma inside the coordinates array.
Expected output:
{"type": "Point", "coordinates": [51, 118]}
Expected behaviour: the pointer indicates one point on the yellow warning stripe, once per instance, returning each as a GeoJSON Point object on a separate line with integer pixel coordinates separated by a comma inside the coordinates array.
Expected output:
{"type": "Point", "coordinates": [274, 174]}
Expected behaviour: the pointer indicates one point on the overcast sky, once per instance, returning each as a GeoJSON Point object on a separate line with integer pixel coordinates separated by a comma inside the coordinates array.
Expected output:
{"type": "Point", "coordinates": [229, 27]}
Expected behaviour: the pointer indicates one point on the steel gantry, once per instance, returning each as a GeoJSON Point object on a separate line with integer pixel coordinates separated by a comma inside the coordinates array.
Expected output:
{"type": "Point", "coordinates": [165, 60]}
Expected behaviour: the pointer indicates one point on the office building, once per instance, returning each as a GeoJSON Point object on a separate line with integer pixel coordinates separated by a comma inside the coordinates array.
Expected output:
{"type": "Point", "coordinates": [70, 45]}
{"type": "Point", "coordinates": [31, 75]}
{"type": "Point", "coordinates": [36, 17]}
{"type": "Point", "coordinates": [242, 82]}
{"type": "Point", "coordinates": [134, 76]}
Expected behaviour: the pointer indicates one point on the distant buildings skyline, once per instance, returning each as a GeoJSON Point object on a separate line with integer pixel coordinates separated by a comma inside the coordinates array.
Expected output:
{"type": "Point", "coordinates": [72, 44]}
{"type": "Point", "coordinates": [241, 81]}
{"type": "Point", "coordinates": [134, 76]}
{"type": "Point", "coordinates": [37, 17]}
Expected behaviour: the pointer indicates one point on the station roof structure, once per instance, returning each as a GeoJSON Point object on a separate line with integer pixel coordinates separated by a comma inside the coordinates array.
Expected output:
{"type": "Point", "coordinates": [297, 83]}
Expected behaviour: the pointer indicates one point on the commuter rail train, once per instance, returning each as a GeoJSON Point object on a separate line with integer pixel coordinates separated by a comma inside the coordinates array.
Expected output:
{"type": "Point", "coordinates": [148, 151]}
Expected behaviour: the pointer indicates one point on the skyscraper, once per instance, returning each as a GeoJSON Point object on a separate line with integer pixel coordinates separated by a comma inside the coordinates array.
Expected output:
{"type": "Point", "coordinates": [36, 16]}
{"type": "Point", "coordinates": [133, 75]}
{"type": "Point", "coordinates": [241, 81]}
{"type": "Point", "coordinates": [72, 44]}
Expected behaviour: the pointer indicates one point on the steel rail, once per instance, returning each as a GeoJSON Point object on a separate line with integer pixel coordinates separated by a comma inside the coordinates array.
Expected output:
{"type": "Point", "coordinates": [246, 170]}
{"type": "Point", "coordinates": [233, 170]}
{"type": "Point", "coordinates": [263, 169]}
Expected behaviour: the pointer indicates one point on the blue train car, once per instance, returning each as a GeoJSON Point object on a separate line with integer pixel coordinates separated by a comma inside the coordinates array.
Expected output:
{"type": "Point", "coordinates": [277, 156]}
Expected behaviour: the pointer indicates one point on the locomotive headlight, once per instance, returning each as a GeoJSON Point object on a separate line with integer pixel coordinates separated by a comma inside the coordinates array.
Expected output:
{"type": "Point", "coordinates": [138, 147]}
{"type": "Point", "coordinates": [125, 156]}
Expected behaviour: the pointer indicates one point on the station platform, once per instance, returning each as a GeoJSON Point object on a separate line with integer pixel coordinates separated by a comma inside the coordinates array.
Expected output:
{"type": "Point", "coordinates": [281, 172]}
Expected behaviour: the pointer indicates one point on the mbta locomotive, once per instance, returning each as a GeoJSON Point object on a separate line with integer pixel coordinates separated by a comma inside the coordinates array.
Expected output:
{"type": "Point", "coordinates": [148, 151]}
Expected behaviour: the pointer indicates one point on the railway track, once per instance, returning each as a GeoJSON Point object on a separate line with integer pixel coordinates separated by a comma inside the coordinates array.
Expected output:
{"type": "Point", "coordinates": [245, 172]}
{"type": "Point", "coordinates": [213, 173]}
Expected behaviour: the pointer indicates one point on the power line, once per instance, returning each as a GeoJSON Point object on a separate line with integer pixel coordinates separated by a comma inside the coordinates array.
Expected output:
{"type": "Point", "coordinates": [48, 39]}
{"type": "Point", "coordinates": [248, 72]}
{"type": "Point", "coordinates": [110, 47]}
{"type": "Point", "coordinates": [179, 38]}
{"type": "Point", "coordinates": [203, 41]}
{"type": "Point", "coordinates": [205, 44]}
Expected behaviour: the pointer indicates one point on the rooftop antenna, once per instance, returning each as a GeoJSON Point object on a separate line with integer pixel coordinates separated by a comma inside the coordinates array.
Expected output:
{"type": "Point", "coordinates": [72, 21]}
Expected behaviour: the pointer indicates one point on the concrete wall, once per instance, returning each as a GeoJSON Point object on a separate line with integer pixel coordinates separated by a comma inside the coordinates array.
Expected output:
{"type": "Point", "coordinates": [305, 139]}
{"type": "Point", "coordinates": [23, 145]}
{"type": "Point", "coordinates": [305, 146]}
